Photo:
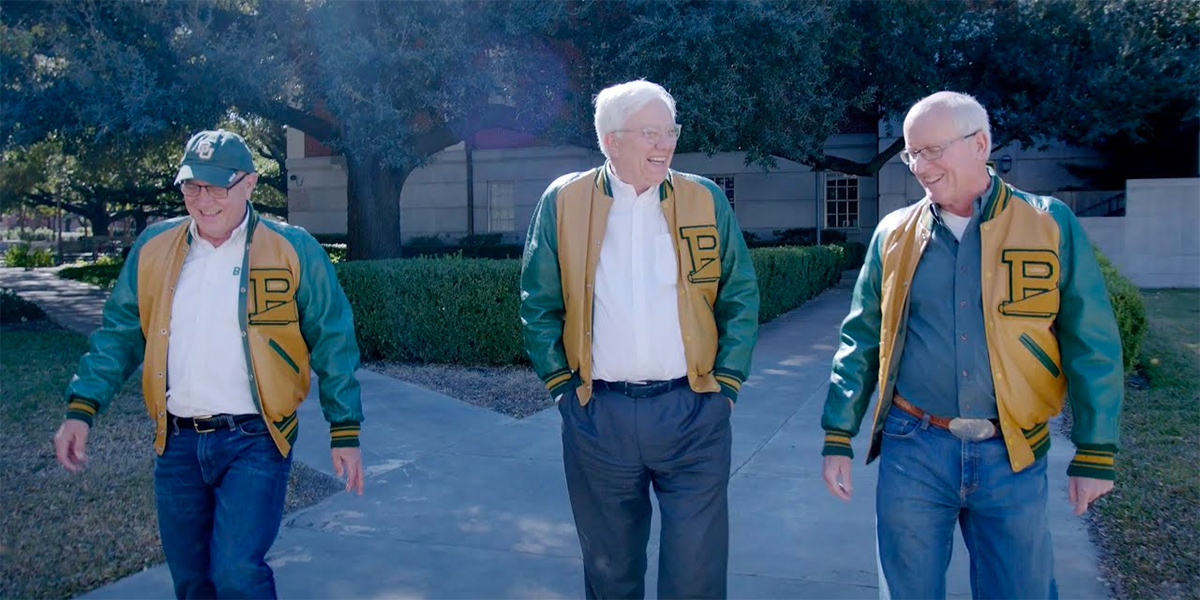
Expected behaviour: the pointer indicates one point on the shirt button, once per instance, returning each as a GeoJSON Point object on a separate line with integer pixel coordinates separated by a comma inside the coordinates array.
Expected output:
{"type": "Point", "coordinates": [963, 337]}
{"type": "Point", "coordinates": [962, 304]}
{"type": "Point", "coordinates": [244, 291]}
{"type": "Point", "coordinates": [964, 372]}
{"type": "Point", "coordinates": [964, 269]}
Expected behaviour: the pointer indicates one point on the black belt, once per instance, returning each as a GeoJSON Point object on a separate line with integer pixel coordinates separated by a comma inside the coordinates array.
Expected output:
{"type": "Point", "coordinates": [209, 423]}
{"type": "Point", "coordinates": [640, 390]}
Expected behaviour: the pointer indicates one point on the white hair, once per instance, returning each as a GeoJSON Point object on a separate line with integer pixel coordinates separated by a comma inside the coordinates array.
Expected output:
{"type": "Point", "coordinates": [968, 114]}
{"type": "Point", "coordinates": [614, 105]}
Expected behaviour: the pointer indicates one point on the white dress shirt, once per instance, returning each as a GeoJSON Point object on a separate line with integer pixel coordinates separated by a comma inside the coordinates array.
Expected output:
{"type": "Point", "coordinates": [206, 361]}
{"type": "Point", "coordinates": [635, 333]}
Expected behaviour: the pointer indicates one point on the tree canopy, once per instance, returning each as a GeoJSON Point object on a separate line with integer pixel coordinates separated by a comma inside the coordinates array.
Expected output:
{"type": "Point", "coordinates": [390, 84]}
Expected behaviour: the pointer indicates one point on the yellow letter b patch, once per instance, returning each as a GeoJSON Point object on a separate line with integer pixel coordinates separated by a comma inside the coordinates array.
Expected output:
{"type": "Point", "coordinates": [704, 251]}
{"type": "Point", "coordinates": [272, 297]}
{"type": "Point", "coordinates": [1032, 284]}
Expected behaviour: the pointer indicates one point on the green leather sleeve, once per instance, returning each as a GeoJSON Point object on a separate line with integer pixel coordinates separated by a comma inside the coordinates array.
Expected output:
{"type": "Point", "coordinates": [115, 349]}
{"type": "Point", "coordinates": [736, 306]}
{"type": "Point", "coordinates": [327, 324]}
{"type": "Point", "coordinates": [856, 364]}
{"type": "Point", "coordinates": [1089, 343]}
{"type": "Point", "coordinates": [543, 308]}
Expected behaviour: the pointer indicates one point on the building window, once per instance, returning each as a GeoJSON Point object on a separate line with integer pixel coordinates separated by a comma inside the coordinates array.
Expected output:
{"type": "Point", "coordinates": [725, 182]}
{"type": "Point", "coordinates": [500, 207]}
{"type": "Point", "coordinates": [841, 201]}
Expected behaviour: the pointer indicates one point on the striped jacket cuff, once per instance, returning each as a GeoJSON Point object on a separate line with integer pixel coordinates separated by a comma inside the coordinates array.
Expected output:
{"type": "Point", "coordinates": [344, 434]}
{"type": "Point", "coordinates": [82, 409]}
{"type": "Point", "coordinates": [1094, 461]}
{"type": "Point", "coordinates": [730, 381]}
{"type": "Point", "coordinates": [837, 443]}
{"type": "Point", "coordinates": [559, 382]}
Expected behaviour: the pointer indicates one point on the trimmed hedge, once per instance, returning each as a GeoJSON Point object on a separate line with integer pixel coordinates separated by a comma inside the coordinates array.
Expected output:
{"type": "Point", "coordinates": [466, 311]}
{"type": "Point", "coordinates": [854, 254]}
{"type": "Point", "coordinates": [1129, 308]}
{"type": "Point", "coordinates": [102, 273]}
{"type": "Point", "coordinates": [789, 276]}
{"type": "Point", "coordinates": [447, 310]}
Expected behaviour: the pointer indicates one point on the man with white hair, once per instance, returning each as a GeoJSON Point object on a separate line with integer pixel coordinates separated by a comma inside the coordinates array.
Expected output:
{"type": "Point", "coordinates": [640, 312]}
{"type": "Point", "coordinates": [979, 309]}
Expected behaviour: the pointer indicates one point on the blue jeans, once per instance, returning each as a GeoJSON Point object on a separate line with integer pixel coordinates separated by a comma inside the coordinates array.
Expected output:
{"type": "Point", "coordinates": [928, 481]}
{"type": "Point", "coordinates": [220, 503]}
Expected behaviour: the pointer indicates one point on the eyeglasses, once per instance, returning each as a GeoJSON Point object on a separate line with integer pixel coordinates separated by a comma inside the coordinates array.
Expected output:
{"type": "Point", "coordinates": [933, 152]}
{"type": "Point", "coordinates": [654, 135]}
{"type": "Point", "coordinates": [216, 192]}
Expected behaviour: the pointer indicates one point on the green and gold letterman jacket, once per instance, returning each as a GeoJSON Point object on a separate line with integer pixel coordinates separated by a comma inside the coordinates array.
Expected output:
{"type": "Point", "coordinates": [296, 315]}
{"type": "Point", "coordinates": [718, 293]}
{"type": "Point", "coordinates": [1049, 324]}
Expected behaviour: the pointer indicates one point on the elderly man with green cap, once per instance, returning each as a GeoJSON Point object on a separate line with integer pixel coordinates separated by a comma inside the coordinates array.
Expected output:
{"type": "Point", "coordinates": [227, 313]}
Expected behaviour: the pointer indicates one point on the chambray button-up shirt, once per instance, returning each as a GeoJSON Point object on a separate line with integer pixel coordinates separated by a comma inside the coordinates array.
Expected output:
{"type": "Point", "coordinates": [945, 368]}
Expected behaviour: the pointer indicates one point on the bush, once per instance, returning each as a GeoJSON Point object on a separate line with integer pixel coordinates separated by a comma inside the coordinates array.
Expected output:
{"type": "Point", "coordinates": [102, 273]}
{"type": "Point", "coordinates": [790, 276]}
{"type": "Point", "coordinates": [336, 252]}
{"type": "Point", "coordinates": [462, 310]}
{"type": "Point", "coordinates": [1129, 309]}
{"type": "Point", "coordinates": [21, 255]}
{"type": "Point", "coordinates": [448, 310]}
{"type": "Point", "coordinates": [853, 254]}
{"type": "Point", "coordinates": [807, 236]}
{"type": "Point", "coordinates": [494, 251]}
{"type": "Point", "coordinates": [15, 309]}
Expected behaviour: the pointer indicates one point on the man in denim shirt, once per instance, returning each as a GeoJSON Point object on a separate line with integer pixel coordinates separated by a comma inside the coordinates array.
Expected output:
{"type": "Point", "coordinates": [978, 309]}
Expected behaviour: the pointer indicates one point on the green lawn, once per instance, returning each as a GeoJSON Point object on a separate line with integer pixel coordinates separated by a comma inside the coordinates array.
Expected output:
{"type": "Point", "coordinates": [1149, 523]}
{"type": "Point", "coordinates": [64, 534]}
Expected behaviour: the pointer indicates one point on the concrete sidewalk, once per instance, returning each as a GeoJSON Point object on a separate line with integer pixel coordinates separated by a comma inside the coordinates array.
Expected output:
{"type": "Point", "coordinates": [462, 502]}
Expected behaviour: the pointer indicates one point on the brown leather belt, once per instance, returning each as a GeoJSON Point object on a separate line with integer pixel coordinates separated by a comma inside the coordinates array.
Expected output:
{"type": "Point", "coordinates": [945, 423]}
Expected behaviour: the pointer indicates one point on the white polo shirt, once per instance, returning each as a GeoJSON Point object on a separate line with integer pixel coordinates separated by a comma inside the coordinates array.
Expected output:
{"type": "Point", "coordinates": [206, 361]}
{"type": "Point", "coordinates": [635, 333]}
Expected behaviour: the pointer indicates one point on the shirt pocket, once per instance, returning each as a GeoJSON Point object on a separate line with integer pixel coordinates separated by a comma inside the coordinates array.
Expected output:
{"type": "Point", "coordinates": [666, 266]}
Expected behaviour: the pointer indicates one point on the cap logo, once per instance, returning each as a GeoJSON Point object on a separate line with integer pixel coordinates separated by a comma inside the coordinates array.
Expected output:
{"type": "Point", "coordinates": [204, 150]}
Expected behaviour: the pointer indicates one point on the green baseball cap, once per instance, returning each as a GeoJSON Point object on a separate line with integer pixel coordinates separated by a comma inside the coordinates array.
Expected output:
{"type": "Point", "coordinates": [215, 157]}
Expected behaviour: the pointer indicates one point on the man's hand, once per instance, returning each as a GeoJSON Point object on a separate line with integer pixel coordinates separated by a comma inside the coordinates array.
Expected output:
{"type": "Point", "coordinates": [347, 462]}
{"type": "Point", "coordinates": [835, 470]}
{"type": "Point", "coordinates": [70, 444]}
{"type": "Point", "coordinates": [1084, 490]}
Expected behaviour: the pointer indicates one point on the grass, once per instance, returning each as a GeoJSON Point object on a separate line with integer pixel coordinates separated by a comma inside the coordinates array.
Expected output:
{"type": "Point", "coordinates": [1148, 524]}
{"type": "Point", "coordinates": [63, 534]}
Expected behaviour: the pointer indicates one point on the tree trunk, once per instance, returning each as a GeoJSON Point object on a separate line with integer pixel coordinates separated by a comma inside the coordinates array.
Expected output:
{"type": "Point", "coordinates": [373, 208]}
{"type": "Point", "coordinates": [140, 218]}
{"type": "Point", "coordinates": [100, 222]}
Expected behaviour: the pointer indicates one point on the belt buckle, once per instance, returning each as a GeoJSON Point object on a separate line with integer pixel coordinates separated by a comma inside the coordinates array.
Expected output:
{"type": "Point", "coordinates": [196, 424]}
{"type": "Point", "coordinates": [645, 390]}
{"type": "Point", "coordinates": [972, 430]}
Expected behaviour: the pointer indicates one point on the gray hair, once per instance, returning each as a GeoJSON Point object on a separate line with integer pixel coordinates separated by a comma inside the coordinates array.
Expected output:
{"type": "Point", "coordinates": [615, 104]}
{"type": "Point", "coordinates": [968, 114]}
